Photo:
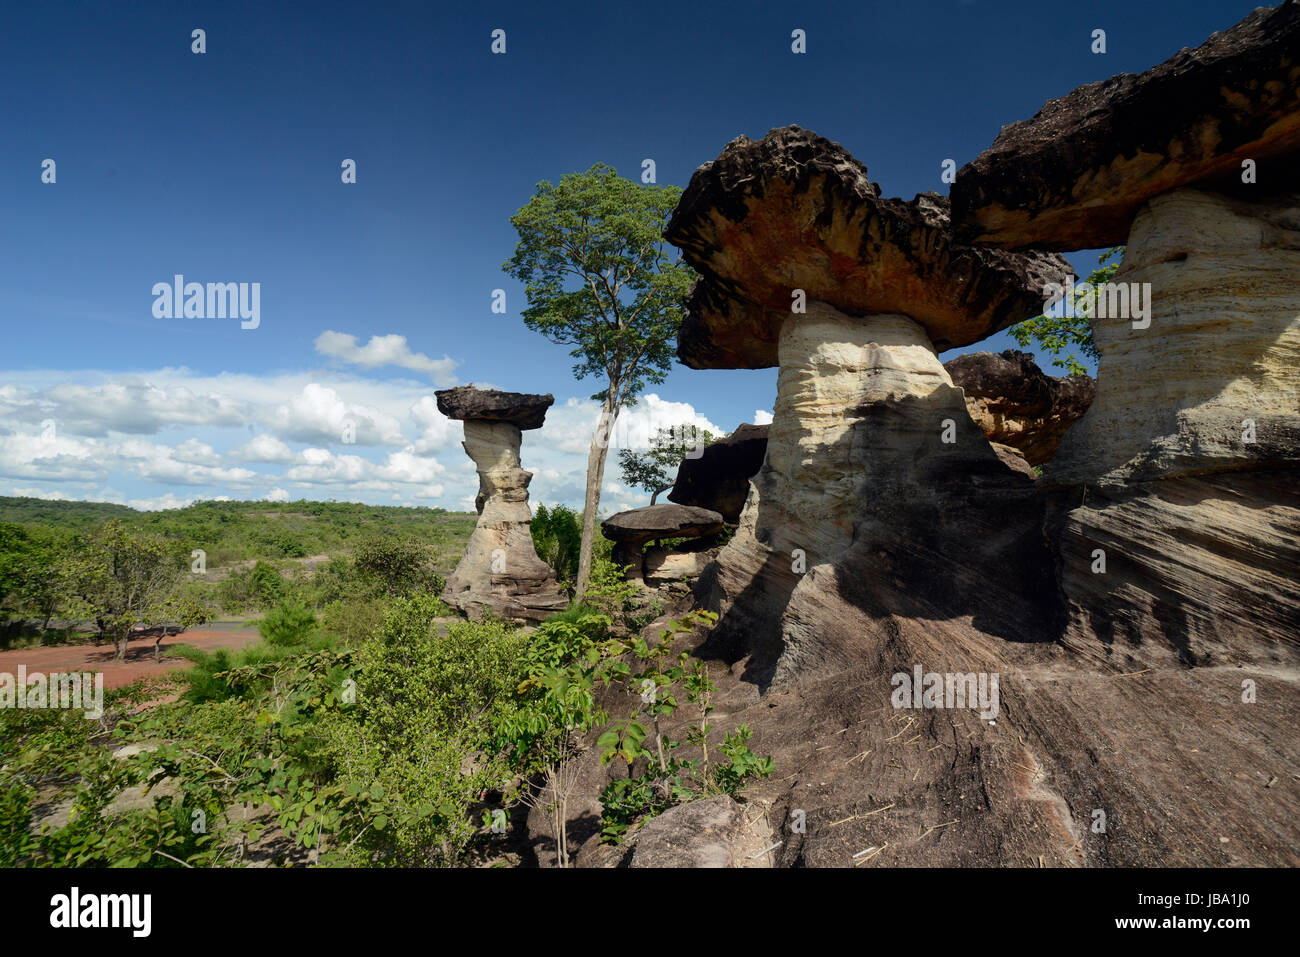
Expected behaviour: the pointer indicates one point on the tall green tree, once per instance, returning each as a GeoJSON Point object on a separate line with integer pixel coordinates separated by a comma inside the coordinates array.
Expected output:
{"type": "Point", "coordinates": [600, 279]}
{"type": "Point", "coordinates": [122, 578]}
{"type": "Point", "coordinates": [1073, 329]}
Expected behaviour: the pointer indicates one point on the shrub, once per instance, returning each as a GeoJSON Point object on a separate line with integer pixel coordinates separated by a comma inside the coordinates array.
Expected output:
{"type": "Point", "coordinates": [396, 568]}
{"type": "Point", "coordinates": [288, 623]}
{"type": "Point", "coordinates": [557, 537]}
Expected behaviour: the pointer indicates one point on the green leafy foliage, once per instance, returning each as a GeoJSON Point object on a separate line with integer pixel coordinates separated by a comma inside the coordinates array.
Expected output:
{"type": "Point", "coordinates": [557, 538]}
{"type": "Point", "coordinates": [601, 280]}
{"type": "Point", "coordinates": [288, 623]}
{"type": "Point", "coordinates": [1062, 335]}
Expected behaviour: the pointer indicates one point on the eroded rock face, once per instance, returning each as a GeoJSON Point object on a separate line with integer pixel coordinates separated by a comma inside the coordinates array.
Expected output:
{"type": "Point", "coordinates": [794, 211]}
{"type": "Point", "coordinates": [1016, 404]}
{"type": "Point", "coordinates": [1075, 175]}
{"type": "Point", "coordinates": [875, 480]}
{"type": "Point", "coordinates": [1222, 350]}
{"type": "Point", "coordinates": [500, 571]}
{"type": "Point", "coordinates": [719, 478]}
{"type": "Point", "coordinates": [1194, 571]}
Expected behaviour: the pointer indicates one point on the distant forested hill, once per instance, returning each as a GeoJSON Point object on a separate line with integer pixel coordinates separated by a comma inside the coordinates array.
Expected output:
{"type": "Point", "coordinates": [238, 531]}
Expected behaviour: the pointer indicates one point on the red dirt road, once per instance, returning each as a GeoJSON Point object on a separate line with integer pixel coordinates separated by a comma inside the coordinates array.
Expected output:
{"type": "Point", "coordinates": [139, 661]}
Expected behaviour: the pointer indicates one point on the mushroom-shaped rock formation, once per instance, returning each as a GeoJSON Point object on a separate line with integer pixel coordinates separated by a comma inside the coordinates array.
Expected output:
{"type": "Point", "coordinates": [718, 478]}
{"type": "Point", "coordinates": [1179, 489]}
{"type": "Point", "coordinates": [1016, 404]}
{"type": "Point", "coordinates": [1193, 164]}
{"type": "Point", "coordinates": [794, 217]}
{"type": "Point", "coordinates": [632, 529]}
{"type": "Point", "coordinates": [500, 571]}
{"type": "Point", "coordinates": [871, 452]}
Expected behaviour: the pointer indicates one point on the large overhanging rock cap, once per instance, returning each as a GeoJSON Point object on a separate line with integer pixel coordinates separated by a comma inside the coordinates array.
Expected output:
{"type": "Point", "coordinates": [1074, 176]}
{"type": "Point", "coordinates": [795, 211]}
{"type": "Point", "coordinates": [490, 405]}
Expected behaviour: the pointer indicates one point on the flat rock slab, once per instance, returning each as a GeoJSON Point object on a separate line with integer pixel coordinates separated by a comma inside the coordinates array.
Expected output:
{"type": "Point", "coordinates": [661, 521]}
{"type": "Point", "coordinates": [523, 410]}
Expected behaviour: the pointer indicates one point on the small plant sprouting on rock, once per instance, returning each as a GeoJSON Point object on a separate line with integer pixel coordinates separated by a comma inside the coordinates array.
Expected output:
{"type": "Point", "coordinates": [666, 778]}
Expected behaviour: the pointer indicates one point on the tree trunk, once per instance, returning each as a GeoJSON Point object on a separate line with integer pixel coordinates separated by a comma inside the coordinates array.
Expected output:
{"type": "Point", "coordinates": [662, 488]}
{"type": "Point", "coordinates": [595, 475]}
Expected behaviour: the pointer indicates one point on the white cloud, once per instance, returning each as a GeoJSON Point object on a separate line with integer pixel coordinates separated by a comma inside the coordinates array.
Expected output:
{"type": "Point", "coordinates": [54, 457]}
{"type": "Point", "coordinates": [437, 431]}
{"type": "Point", "coordinates": [319, 414]}
{"type": "Point", "coordinates": [233, 434]}
{"type": "Point", "coordinates": [386, 350]}
{"type": "Point", "coordinates": [264, 448]}
{"type": "Point", "coordinates": [130, 405]}
{"type": "Point", "coordinates": [158, 463]}
{"type": "Point", "coordinates": [196, 453]}
{"type": "Point", "coordinates": [762, 417]}
{"type": "Point", "coordinates": [276, 495]}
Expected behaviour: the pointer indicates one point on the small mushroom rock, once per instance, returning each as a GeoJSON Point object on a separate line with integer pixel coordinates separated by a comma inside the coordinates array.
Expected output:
{"type": "Point", "coordinates": [632, 529]}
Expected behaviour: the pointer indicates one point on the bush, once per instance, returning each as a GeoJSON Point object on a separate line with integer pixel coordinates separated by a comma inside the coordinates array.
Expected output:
{"type": "Point", "coordinates": [351, 622]}
{"type": "Point", "coordinates": [288, 623]}
{"type": "Point", "coordinates": [557, 537]}
{"type": "Point", "coordinates": [258, 587]}
{"type": "Point", "coordinates": [426, 710]}
{"type": "Point", "coordinates": [396, 568]}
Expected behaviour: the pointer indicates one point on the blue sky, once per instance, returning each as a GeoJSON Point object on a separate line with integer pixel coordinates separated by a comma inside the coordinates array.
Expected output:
{"type": "Point", "coordinates": [225, 166]}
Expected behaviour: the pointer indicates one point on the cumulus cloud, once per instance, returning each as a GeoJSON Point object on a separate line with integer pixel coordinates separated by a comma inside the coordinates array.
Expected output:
{"type": "Point", "coordinates": [264, 448]}
{"type": "Point", "coordinates": [319, 414]}
{"type": "Point", "coordinates": [385, 350]}
{"type": "Point", "coordinates": [83, 434]}
{"type": "Point", "coordinates": [128, 405]}
{"type": "Point", "coordinates": [762, 417]}
{"type": "Point", "coordinates": [51, 456]}
{"type": "Point", "coordinates": [436, 430]}
{"type": "Point", "coordinates": [276, 495]}
{"type": "Point", "coordinates": [159, 463]}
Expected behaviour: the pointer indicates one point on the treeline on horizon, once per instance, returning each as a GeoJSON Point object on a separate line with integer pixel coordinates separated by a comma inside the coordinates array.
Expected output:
{"type": "Point", "coordinates": [240, 531]}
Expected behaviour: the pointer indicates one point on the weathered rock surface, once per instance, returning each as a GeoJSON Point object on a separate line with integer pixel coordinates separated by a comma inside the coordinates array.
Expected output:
{"type": "Point", "coordinates": [490, 405]}
{"type": "Point", "coordinates": [1182, 771]}
{"type": "Point", "coordinates": [1222, 350]}
{"type": "Point", "coordinates": [1194, 571]}
{"type": "Point", "coordinates": [794, 211]}
{"type": "Point", "coordinates": [1016, 404]}
{"type": "Point", "coordinates": [876, 485]}
{"type": "Point", "coordinates": [719, 478]}
{"type": "Point", "coordinates": [500, 571]}
{"type": "Point", "coordinates": [662, 565]}
{"type": "Point", "coordinates": [1075, 175]}
{"type": "Point", "coordinates": [704, 833]}
{"type": "Point", "coordinates": [631, 529]}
